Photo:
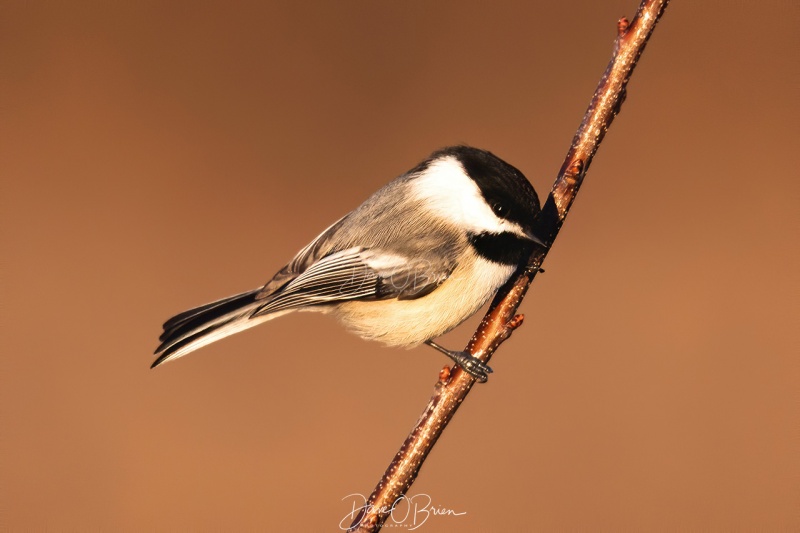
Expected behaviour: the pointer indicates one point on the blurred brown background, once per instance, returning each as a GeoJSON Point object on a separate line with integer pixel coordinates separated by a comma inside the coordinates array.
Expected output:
{"type": "Point", "coordinates": [158, 155]}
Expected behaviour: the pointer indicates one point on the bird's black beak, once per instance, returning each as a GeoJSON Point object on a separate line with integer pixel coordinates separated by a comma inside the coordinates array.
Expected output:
{"type": "Point", "coordinates": [535, 238]}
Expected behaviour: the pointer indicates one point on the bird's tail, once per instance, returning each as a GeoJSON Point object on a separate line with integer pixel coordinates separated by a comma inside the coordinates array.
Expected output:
{"type": "Point", "coordinates": [203, 325]}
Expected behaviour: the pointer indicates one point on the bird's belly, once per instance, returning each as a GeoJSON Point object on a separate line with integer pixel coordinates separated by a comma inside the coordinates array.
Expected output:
{"type": "Point", "coordinates": [411, 322]}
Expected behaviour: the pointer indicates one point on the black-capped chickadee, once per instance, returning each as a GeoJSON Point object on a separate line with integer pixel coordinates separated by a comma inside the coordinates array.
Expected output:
{"type": "Point", "coordinates": [414, 261]}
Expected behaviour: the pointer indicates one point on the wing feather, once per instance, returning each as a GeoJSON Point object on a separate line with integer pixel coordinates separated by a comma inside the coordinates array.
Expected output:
{"type": "Point", "coordinates": [309, 255]}
{"type": "Point", "coordinates": [356, 274]}
{"type": "Point", "coordinates": [337, 277]}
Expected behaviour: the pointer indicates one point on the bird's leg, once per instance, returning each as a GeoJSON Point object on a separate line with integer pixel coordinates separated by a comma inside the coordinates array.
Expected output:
{"type": "Point", "coordinates": [471, 364]}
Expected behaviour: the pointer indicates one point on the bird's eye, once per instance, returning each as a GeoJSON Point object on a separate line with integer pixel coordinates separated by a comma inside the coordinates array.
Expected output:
{"type": "Point", "coordinates": [499, 210]}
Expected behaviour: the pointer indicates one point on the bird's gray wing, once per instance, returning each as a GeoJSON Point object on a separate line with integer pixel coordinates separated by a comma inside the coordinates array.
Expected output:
{"type": "Point", "coordinates": [314, 251]}
{"type": "Point", "coordinates": [357, 274]}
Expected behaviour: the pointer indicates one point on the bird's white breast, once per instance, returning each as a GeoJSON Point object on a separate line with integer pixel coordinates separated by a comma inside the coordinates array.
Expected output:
{"type": "Point", "coordinates": [411, 322]}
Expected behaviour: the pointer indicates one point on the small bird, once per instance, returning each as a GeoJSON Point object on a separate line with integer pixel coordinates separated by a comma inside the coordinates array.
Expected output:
{"type": "Point", "coordinates": [416, 259]}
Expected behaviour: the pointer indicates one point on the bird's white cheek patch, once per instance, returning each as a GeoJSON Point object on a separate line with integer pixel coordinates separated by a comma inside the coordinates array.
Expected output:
{"type": "Point", "coordinates": [446, 188]}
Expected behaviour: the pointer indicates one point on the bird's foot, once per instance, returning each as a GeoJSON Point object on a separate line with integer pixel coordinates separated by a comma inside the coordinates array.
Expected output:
{"type": "Point", "coordinates": [471, 364]}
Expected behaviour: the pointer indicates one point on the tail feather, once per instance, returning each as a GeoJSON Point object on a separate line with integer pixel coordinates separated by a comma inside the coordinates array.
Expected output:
{"type": "Point", "coordinates": [186, 315]}
{"type": "Point", "coordinates": [202, 325]}
{"type": "Point", "coordinates": [190, 320]}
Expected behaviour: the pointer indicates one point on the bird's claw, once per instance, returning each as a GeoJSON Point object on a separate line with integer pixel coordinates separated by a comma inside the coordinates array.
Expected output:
{"type": "Point", "coordinates": [472, 365]}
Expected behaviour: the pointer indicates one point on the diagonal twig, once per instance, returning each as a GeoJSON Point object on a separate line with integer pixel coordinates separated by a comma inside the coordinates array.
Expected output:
{"type": "Point", "coordinates": [501, 319]}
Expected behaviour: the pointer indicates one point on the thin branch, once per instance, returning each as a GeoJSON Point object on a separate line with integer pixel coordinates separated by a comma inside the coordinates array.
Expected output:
{"type": "Point", "coordinates": [501, 319]}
